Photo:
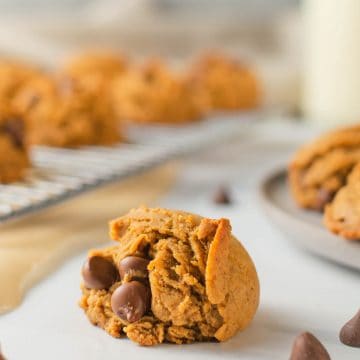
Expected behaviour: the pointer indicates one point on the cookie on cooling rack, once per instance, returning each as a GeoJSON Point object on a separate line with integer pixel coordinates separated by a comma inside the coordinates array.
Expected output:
{"type": "Point", "coordinates": [229, 84]}
{"type": "Point", "coordinates": [14, 158]}
{"type": "Point", "coordinates": [104, 63]}
{"type": "Point", "coordinates": [173, 277]}
{"type": "Point", "coordinates": [13, 76]}
{"type": "Point", "coordinates": [65, 112]}
{"type": "Point", "coordinates": [152, 93]}
{"type": "Point", "coordinates": [320, 169]}
{"type": "Point", "coordinates": [342, 215]}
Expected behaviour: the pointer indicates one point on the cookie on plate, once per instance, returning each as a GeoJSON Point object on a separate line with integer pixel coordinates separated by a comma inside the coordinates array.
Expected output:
{"type": "Point", "coordinates": [230, 85]}
{"type": "Point", "coordinates": [318, 170]}
{"type": "Point", "coordinates": [342, 215]}
{"type": "Point", "coordinates": [173, 277]}
{"type": "Point", "coordinates": [152, 93]}
{"type": "Point", "coordinates": [64, 112]}
{"type": "Point", "coordinates": [14, 158]}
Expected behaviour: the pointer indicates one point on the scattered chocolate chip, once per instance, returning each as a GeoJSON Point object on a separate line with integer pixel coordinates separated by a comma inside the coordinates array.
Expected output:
{"type": "Point", "coordinates": [130, 301]}
{"type": "Point", "coordinates": [15, 129]}
{"type": "Point", "coordinates": [323, 197]}
{"type": "Point", "coordinates": [133, 267]}
{"type": "Point", "coordinates": [222, 196]}
{"type": "Point", "coordinates": [350, 332]}
{"type": "Point", "coordinates": [307, 347]}
{"type": "Point", "coordinates": [99, 273]}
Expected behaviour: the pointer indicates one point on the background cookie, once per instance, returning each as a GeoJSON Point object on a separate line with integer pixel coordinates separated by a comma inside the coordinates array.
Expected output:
{"type": "Point", "coordinates": [152, 93]}
{"type": "Point", "coordinates": [229, 84]}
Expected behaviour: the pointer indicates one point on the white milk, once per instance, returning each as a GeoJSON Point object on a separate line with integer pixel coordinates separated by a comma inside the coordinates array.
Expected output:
{"type": "Point", "coordinates": [331, 93]}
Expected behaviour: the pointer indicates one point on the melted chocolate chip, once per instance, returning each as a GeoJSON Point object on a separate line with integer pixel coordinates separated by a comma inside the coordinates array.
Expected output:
{"type": "Point", "coordinates": [99, 273]}
{"type": "Point", "coordinates": [350, 332]}
{"type": "Point", "coordinates": [15, 129]}
{"type": "Point", "coordinates": [222, 196]}
{"type": "Point", "coordinates": [130, 301]}
{"type": "Point", "coordinates": [134, 267]}
{"type": "Point", "coordinates": [308, 347]}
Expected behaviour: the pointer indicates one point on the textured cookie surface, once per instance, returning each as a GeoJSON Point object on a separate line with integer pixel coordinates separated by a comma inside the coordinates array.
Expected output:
{"type": "Point", "coordinates": [202, 282]}
{"type": "Point", "coordinates": [342, 215]}
{"type": "Point", "coordinates": [320, 169]}
{"type": "Point", "coordinates": [68, 113]}
{"type": "Point", "coordinates": [154, 94]}
{"type": "Point", "coordinates": [229, 84]}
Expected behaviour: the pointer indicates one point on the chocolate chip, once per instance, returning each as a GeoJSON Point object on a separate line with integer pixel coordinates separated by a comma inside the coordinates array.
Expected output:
{"type": "Point", "coordinates": [308, 347]}
{"type": "Point", "coordinates": [222, 196]}
{"type": "Point", "coordinates": [323, 197]}
{"type": "Point", "coordinates": [130, 301]}
{"type": "Point", "coordinates": [133, 267]}
{"type": "Point", "coordinates": [15, 129]}
{"type": "Point", "coordinates": [350, 332]}
{"type": "Point", "coordinates": [99, 273]}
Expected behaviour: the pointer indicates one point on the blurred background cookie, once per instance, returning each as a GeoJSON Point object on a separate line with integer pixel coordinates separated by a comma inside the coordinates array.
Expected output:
{"type": "Point", "coordinates": [230, 84]}
{"type": "Point", "coordinates": [153, 93]}
{"type": "Point", "coordinates": [68, 113]}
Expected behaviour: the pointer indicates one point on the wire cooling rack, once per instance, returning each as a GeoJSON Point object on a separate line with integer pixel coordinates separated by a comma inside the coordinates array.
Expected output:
{"type": "Point", "coordinates": [59, 174]}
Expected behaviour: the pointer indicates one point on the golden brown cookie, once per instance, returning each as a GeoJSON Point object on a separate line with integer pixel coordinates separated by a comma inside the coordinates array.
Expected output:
{"type": "Point", "coordinates": [229, 84]}
{"type": "Point", "coordinates": [13, 76]}
{"type": "Point", "coordinates": [68, 113]}
{"type": "Point", "coordinates": [153, 94]}
{"type": "Point", "coordinates": [342, 215]}
{"type": "Point", "coordinates": [173, 277]}
{"type": "Point", "coordinates": [103, 63]}
{"type": "Point", "coordinates": [14, 158]}
{"type": "Point", "coordinates": [319, 169]}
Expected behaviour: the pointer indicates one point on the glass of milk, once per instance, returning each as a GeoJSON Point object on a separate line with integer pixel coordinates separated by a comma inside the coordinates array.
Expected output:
{"type": "Point", "coordinates": [331, 88]}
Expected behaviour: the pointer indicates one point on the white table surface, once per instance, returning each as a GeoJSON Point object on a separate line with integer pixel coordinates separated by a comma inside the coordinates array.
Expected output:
{"type": "Point", "coordinates": [299, 292]}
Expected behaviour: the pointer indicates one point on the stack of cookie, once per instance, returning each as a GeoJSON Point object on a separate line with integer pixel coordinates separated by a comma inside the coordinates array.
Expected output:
{"type": "Point", "coordinates": [325, 176]}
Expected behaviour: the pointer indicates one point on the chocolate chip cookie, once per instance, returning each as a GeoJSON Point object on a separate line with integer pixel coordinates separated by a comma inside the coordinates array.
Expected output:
{"type": "Point", "coordinates": [319, 170]}
{"type": "Point", "coordinates": [65, 112]}
{"type": "Point", "coordinates": [152, 93]}
{"type": "Point", "coordinates": [229, 84]}
{"type": "Point", "coordinates": [173, 277]}
{"type": "Point", "coordinates": [14, 158]}
{"type": "Point", "coordinates": [342, 215]}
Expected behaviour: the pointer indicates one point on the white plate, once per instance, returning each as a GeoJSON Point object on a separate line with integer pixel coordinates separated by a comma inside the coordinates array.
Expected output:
{"type": "Point", "coordinates": [305, 228]}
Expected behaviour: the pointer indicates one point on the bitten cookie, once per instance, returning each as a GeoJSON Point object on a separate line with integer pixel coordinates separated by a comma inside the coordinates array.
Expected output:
{"type": "Point", "coordinates": [13, 153]}
{"type": "Point", "coordinates": [153, 94]}
{"type": "Point", "coordinates": [320, 169]}
{"type": "Point", "coordinates": [229, 84]}
{"type": "Point", "coordinates": [68, 113]}
{"type": "Point", "coordinates": [174, 277]}
{"type": "Point", "coordinates": [342, 215]}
